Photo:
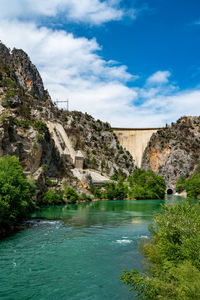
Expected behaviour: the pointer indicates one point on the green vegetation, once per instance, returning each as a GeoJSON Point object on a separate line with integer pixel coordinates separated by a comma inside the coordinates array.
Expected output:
{"type": "Point", "coordinates": [40, 138]}
{"type": "Point", "coordinates": [71, 195]}
{"type": "Point", "coordinates": [52, 197]}
{"type": "Point", "coordinates": [146, 185]}
{"type": "Point", "coordinates": [180, 184]}
{"type": "Point", "coordinates": [117, 190]}
{"type": "Point", "coordinates": [22, 123]}
{"type": "Point", "coordinates": [9, 83]}
{"type": "Point", "coordinates": [191, 184]}
{"type": "Point", "coordinates": [140, 185]}
{"type": "Point", "coordinates": [40, 126]}
{"type": "Point", "coordinates": [172, 256]}
{"type": "Point", "coordinates": [16, 193]}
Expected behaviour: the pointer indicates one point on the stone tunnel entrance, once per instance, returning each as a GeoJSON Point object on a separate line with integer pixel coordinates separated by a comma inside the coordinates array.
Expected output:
{"type": "Point", "coordinates": [169, 191]}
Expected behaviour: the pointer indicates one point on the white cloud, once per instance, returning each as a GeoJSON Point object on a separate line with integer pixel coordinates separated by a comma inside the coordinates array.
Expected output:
{"type": "Point", "coordinates": [159, 77]}
{"type": "Point", "coordinates": [87, 11]}
{"type": "Point", "coordinates": [73, 68]}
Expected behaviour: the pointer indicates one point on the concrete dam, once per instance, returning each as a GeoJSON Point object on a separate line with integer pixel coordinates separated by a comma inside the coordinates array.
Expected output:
{"type": "Point", "coordinates": [135, 140]}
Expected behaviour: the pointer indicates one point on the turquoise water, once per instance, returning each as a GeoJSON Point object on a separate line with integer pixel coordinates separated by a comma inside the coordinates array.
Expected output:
{"type": "Point", "coordinates": [76, 251]}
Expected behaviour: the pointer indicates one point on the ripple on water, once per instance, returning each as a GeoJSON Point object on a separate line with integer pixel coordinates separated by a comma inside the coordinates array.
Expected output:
{"type": "Point", "coordinates": [80, 256]}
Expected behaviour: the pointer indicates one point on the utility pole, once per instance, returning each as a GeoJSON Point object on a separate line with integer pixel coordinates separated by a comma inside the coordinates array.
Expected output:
{"type": "Point", "coordinates": [66, 101]}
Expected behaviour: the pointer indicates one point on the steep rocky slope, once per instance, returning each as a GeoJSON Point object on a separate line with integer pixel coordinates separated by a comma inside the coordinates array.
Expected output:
{"type": "Point", "coordinates": [26, 107]}
{"type": "Point", "coordinates": [174, 151]}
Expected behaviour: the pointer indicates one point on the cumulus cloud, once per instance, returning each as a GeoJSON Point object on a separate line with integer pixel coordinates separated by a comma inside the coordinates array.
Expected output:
{"type": "Point", "coordinates": [159, 77]}
{"type": "Point", "coordinates": [87, 11]}
{"type": "Point", "coordinates": [73, 68]}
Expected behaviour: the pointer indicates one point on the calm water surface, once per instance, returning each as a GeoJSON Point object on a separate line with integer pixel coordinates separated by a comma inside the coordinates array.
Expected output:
{"type": "Point", "coordinates": [75, 252]}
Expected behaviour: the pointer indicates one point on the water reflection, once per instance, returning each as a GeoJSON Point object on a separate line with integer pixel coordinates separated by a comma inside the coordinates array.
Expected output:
{"type": "Point", "coordinates": [102, 212]}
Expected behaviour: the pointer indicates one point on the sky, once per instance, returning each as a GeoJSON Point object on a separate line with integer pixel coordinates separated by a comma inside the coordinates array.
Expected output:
{"type": "Point", "coordinates": [130, 63]}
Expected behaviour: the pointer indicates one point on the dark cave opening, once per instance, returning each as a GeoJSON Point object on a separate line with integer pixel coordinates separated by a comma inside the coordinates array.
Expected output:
{"type": "Point", "coordinates": [169, 191]}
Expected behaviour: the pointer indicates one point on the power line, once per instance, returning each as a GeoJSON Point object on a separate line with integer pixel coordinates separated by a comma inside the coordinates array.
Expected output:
{"type": "Point", "coordinates": [64, 101]}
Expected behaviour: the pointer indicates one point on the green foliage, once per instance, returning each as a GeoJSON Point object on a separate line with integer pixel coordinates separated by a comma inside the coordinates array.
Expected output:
{"type": "Point", "coordinates": [84, 196]}
{"type": "Point", "coordinates": [172, 256]}
{"type": "Point", "coordinates": [191, 184]}
{"type": "Point", "coordinates": [40, 138]}
{"type": "Point", "coordinates": [71, 195]}
{"type": "Point", "coordinates": [40, 126]}
{"type": "Point", "coordinates": [114, 190]}
{"type": "Point", "coordinates": [8, 82]}
{"type": "Point", "coordinates": [16, 192]}
{"type": "Point", "coordinates": [98, 194]}
{"type": "Point", "coordinates": [91, 163]}
{"type": "Point", "coordinates": [141, 185]}
{"type": "Point", "coordinates": [49, 182]}
{"type": "Point", "coordinates": [180, 184]}
{"type": "Point", "coordinates": [22, 123]}
{"type": "Point", "coordinates": [146, 185]}
{"type": "Point", "coordinates": [118, 175]}
{"type": "Point", "coordinates": [52, 197]}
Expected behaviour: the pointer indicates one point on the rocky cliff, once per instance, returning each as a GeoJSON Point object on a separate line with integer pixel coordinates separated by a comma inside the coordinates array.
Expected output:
{"type": "Point", "coordinates": [174, 151]}
{"type": "Point", "coordinates": [26, 108]}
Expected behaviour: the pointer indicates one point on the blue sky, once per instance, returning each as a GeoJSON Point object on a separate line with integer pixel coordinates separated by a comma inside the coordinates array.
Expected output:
{"type": "Point", "coordinates": [131, 63]}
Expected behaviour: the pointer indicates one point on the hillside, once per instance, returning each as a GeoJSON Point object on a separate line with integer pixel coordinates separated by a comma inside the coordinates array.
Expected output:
{"type": "Point", "coordinates": [174, 151]}
{"type": "Point", "coordinates": [26, 110]}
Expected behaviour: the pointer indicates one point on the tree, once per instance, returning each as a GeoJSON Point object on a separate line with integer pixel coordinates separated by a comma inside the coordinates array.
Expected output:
{"type": "Point", "coordinates": [16, 192]}
{"type": "Point", "coordinates": [146, 185]}
{"type": "Point", "coordinates": [172, 256]}
{"type": "Point", "coordinates": [180, 184]}
{"type": "Point", "coordinates": [71, 195]}
{"type": "Point", "coordinates": [52, 197]}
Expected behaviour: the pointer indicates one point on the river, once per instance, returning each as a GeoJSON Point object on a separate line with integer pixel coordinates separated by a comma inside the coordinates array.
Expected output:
{"type": "Point", "coordinates": [76, 252]}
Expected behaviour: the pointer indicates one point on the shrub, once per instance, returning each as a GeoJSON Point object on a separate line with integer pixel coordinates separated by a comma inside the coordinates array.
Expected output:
{"type": "Point", "coordinates": [71, 195]}
{"type": "Point", "coordinates": [180, 184]}
{"type": "Point", "coordinates": [97, 193]}
{"type": "Point", "coordinates": [49, 182]}
{"type": "Point", "coordinates": [115, 190]}
{"type": "Point", "coordinates": [146, 185]}
{"type": "Point", "coordinates": [84, 196]}
{"type": "Point", "coordinates": [16, 192]}
{"type": "Point", "coordinates": [40, 126]}
{"type": "Point", "coordinates": [24, 124]}
{"type": "Point", "coordinates": [191, 184]}
{"type": "Point", "coordinates": [40, 138]}
{"type": "Point", "coordinates": [172, 256]}
{"type": "Point", "coordinates": [52, 197]}
{"type": "Point", "coordinates": [8, 82]}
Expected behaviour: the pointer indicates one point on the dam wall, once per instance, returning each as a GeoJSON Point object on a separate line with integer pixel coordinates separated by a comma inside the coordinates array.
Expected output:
{"type": "Point", "coordinates": [135, 140]}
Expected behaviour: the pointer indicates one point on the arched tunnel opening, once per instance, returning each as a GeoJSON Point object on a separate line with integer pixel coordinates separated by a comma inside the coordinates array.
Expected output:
{"type": "Point", "coordinates": [169, 191]}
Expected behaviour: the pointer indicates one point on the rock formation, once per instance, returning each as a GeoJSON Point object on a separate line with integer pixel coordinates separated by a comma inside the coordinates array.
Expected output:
{"type": "Point", "coordinates": [174, 151]}
{"type": "Point", "coordinates": [25, 110]}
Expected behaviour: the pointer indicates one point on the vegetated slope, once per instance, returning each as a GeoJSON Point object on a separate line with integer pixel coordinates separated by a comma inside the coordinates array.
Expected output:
{"type": "Point", "coordinates": [174, 151]}
{"type": "Point", "coordinates": [25, 107]}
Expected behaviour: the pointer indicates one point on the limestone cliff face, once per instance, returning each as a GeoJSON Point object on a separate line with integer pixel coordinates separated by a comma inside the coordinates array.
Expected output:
{"type": "Point", "coordinates": [174, 151]}
{"type": "Point", "coordinates": [19, 67]}
{"type": "Point", "coordinates": [25, 108]}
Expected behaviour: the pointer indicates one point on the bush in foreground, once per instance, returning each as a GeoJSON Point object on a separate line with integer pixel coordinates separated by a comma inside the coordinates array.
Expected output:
{"type": "Point", "coordinates": [172, 256]}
